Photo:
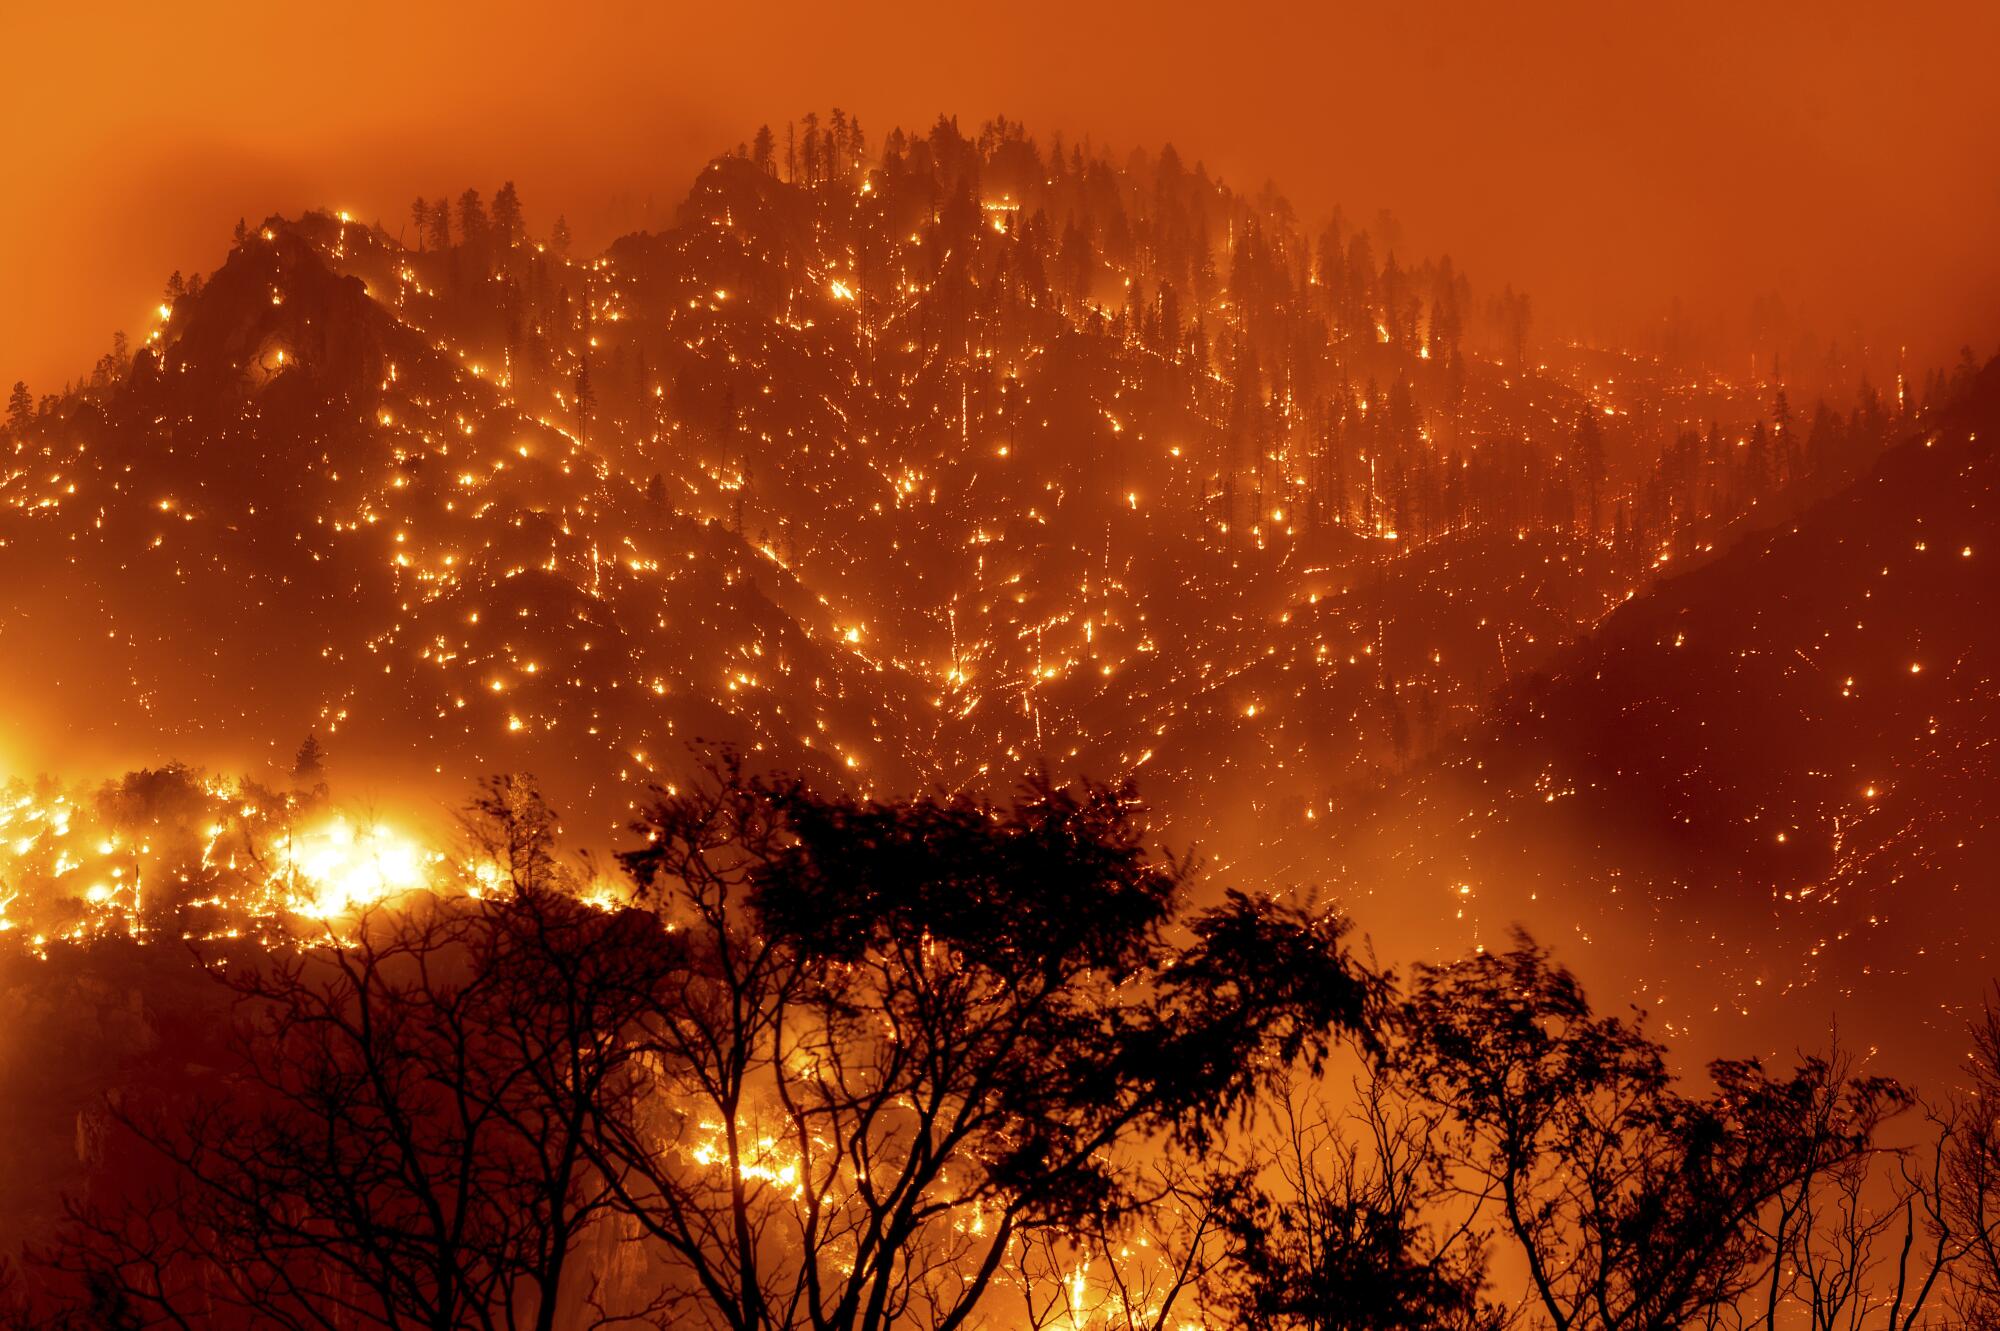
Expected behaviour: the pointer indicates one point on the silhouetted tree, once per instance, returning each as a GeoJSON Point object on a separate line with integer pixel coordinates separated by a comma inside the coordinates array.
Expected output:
{"type": "Point", "coordinates": [1972, 1181]}
{"type": "Point", "coordinates": [507, 223]}
{"type": "Point", "coordinates": [440, 224]}
{"type": "Point", "coordinates": [309, 764]}
{"type": "Point", "coordinates": [1349, 1227]}
{"type": "Point", "coordinates": [472, 223]}
{"type": "Point", "coordinates": [915, 1035]}
{"type": "Point", "coordinates": [1863, 1239]}
{"type": "Point", "coordinates": [1758, 473]}
{"type": "Point", "coordinates": [399, 1140]}
{"type": "Point", "coordinates": [1784, 441]}
{"type": "Point", "coordinates": [1633, 1205]}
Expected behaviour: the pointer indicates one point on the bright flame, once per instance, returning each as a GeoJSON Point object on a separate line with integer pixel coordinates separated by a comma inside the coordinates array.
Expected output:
{"type": "Point", "coordinates": [339, 867]}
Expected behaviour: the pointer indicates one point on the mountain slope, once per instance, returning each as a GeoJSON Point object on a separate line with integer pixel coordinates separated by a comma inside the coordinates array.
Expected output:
{"type": "Point", "coordinates": [302, 514]}
{"type": "Point", "coordinates": [925, 468]}
{"type": "Point", "coordinates": [1767, 787]}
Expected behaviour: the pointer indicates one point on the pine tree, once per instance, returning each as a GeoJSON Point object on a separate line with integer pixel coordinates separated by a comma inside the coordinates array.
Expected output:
{"type": "Point", "coordinates": [20, 408]}
{"type": "Point", "coordinates": [440, 224]}
{"type": "Point", "coordinates": [507, 224]}
{"type": "Point", "coordinates": [309, 766]}
{"type": "Point", "coordinates": [836, 143]}
{"type": "Point", "coordinates": [812, 169]}
{"type": "Point", "coordinates": [420, 218]}
{"type": "Point", "coordinates": [472, 223]}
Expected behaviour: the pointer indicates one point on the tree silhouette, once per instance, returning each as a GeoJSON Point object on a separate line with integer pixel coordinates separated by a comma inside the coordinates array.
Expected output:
{"type": "Point", "coordinates": [1346, 1227]}
{"type": "Point", "coordinates": [1633, 1205]}
{"type": "Point", "coordinates": [1863, 1238]}
{"type": "Point", "coordinates": [472, 222]}
{"type": "Point", "coordinates": [914, 1035]}
{"type": "Point", "coordinates": [843, 1064]}
{"type": "Point", "coordinates": [399, 1140]}
{"type": "Point", "coordinates": [440, 224]}
{"type": "Point", "coordinates": [1972, 1181]}
{"type": "Point", "coordinates": [309, 764]}
{"type": "Point", "coordinates": [508, 226]}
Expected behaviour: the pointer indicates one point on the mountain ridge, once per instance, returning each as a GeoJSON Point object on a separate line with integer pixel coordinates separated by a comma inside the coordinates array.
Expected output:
{"type": "Point", "coordinates": [920, 468]}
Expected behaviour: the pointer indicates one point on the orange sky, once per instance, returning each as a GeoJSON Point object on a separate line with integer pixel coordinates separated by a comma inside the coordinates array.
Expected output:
{"type": "Point", "coordinates": [1608, 157]}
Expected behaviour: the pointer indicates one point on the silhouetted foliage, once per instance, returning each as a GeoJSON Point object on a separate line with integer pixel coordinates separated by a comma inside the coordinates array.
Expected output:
{"type": "Point", "coordinates": [309, 764]}
{"type": "Point", "coordinates": [400, 1138]}
{"type": "Point", "coordinates": [844, 1060]}
{"type": "Point", "coordinates": [1971, 1181]}
{"type": "Point", "coordinates": [922, 1032]}
{"type": "Point", "coordinates": [20, 408]}
{"type": "Point", "coordinates": [508, 224]}
{"type": "Point", "coordinates": [1347, 1227]}
{"type": "Point", "coordinates": [1633, 1204]}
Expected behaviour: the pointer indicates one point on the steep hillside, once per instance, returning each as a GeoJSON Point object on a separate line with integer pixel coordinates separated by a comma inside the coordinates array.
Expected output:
{"type": "Point", "coordinates": [299, 513]}
{"type": "Point", "coordinates": [1767, 787]}
{"type": "Point", "coordinates": [922, 466]}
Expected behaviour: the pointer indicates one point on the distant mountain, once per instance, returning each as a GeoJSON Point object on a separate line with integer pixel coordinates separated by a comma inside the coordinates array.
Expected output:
{"type": "Point", "coordinates": [1766, 789]}
{"type": "Point", "coordinates": [910, 467]}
